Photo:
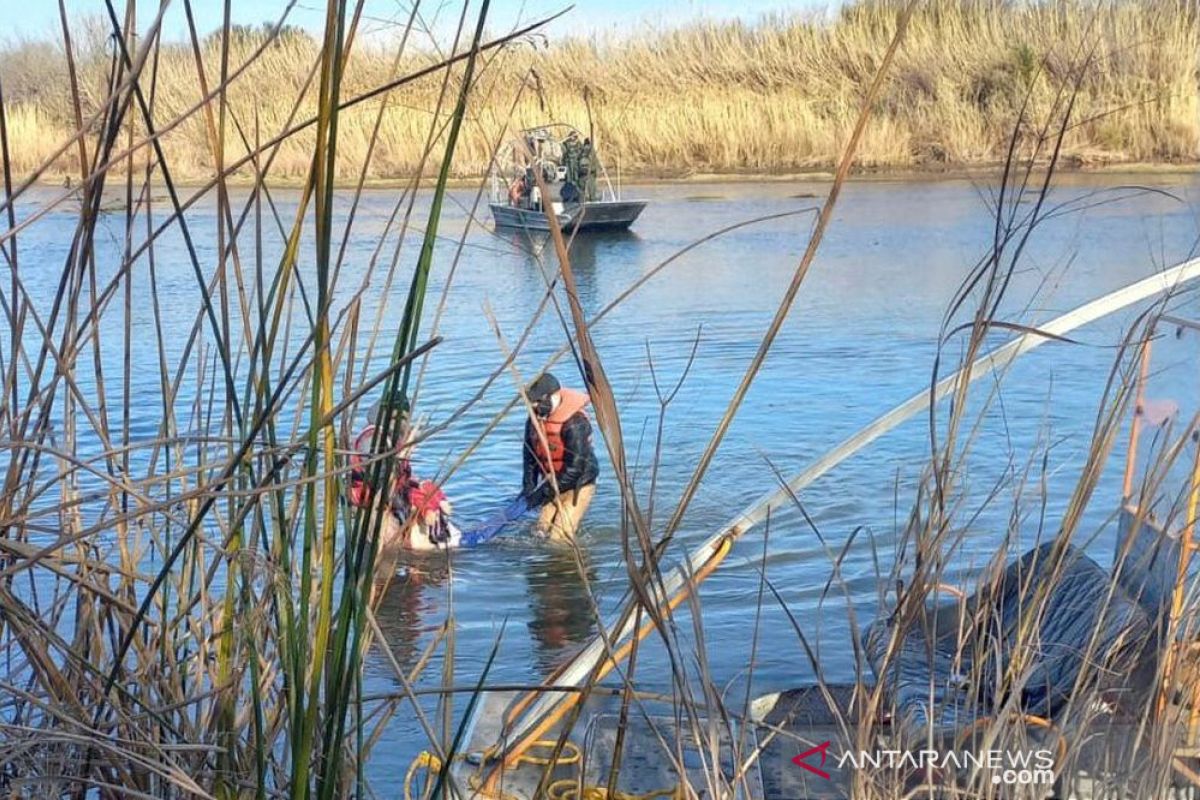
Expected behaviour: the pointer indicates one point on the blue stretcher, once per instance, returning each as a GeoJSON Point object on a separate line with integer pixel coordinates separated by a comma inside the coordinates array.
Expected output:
{"type": "Point", "coordinates": [514, 512]}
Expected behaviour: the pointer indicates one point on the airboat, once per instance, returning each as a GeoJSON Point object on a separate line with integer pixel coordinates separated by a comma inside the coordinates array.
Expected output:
{"type": "Point", "coordinates": [579, 191]}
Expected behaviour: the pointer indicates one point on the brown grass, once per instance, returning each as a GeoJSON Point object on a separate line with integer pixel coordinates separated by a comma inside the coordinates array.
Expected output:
{"type": "Point", "coordinates": [779, 95]}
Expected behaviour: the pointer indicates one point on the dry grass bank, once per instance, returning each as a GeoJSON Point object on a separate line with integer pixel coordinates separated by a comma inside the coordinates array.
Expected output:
{"type": "Point", "coordinates": [776, 96]}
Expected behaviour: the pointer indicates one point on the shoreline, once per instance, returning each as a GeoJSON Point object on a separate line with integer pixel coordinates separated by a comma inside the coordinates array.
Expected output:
{"type": "Point", "coordinates": [662, 178]}
{"type": "Point", "coordinates": [902, 174]}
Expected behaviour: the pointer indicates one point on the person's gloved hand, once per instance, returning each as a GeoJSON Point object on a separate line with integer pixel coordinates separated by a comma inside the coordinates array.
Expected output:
{"type": "Point", "coordinates": [539, 495]}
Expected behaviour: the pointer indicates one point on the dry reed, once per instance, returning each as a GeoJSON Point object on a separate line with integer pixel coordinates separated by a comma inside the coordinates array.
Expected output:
{"type": "Point", "coordinates": [188, 616]}
{"type": "Point", "coordinates": [777, 95]}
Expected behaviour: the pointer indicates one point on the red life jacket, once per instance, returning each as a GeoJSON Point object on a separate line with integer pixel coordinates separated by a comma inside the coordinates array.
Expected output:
{"type": "Point", "coordinates": [570, 403]}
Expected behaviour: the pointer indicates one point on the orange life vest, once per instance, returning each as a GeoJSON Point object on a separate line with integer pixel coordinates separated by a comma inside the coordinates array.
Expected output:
{"type": "Point", "coordinates": [570, 403]}
{"type": "Point", "coordinates": [516, 190]}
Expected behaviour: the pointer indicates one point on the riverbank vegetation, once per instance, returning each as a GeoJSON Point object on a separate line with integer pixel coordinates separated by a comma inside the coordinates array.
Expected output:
{"type": "Point", "coordinates": [186, 605]}
{"type": "Point", "coordinates": [775, 95]}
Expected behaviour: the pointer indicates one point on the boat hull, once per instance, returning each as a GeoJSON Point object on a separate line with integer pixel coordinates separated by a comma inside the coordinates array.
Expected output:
{"type": "Point", "coordinates": [607, 215]}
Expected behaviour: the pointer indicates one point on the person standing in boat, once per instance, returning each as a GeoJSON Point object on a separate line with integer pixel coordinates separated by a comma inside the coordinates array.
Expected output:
{"type": "Point", "coordinates": [532, 195]}
{"type": "Point", "coordinates": [517, 191]}
{"type": "Point", "coordinates": [560, 465]}
{"type": "Point", "coordinates": [587, 169]}
{"type": "Point", "coordinates": [571, 152]}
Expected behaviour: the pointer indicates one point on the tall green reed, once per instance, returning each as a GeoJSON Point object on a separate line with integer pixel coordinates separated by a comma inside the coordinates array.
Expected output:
{"type": "Point", "coordinates": [232, 667]}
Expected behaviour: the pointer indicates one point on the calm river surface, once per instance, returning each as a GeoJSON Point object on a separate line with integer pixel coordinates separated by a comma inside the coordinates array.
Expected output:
{"type": "Point", "coordinates": [860, 339]}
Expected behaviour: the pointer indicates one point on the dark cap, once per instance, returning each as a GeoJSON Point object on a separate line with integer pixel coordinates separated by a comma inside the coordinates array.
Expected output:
{"type": "Point", "coordinates": [545, 385]}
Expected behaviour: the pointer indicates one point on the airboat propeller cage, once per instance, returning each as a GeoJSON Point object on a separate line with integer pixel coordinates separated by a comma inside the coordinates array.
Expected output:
{"type": "Point", "coordinates": [517, 203]}
{"type": "Point", "coordinates": [532, 715]}
{"type": "Point", "coordinates": [548, 141]}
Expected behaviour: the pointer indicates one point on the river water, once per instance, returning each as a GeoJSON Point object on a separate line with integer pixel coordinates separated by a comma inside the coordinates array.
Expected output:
{"type": "Point", "coordinates": [860, 339]}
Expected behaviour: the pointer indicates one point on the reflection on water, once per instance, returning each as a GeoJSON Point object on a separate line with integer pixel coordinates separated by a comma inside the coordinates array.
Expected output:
{"type": "Point", "coordinates": [561, 614]}
{"type": "Point", "coordinates": [404, 612]}
{"type": "Point", "coordinates": [590, 252]}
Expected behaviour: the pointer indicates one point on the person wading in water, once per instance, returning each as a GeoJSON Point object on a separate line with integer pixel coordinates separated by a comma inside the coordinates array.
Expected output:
{"type": "Point", "coordinates": [415, 512]}
{"type": "Point", "coordinates": [560, 464]}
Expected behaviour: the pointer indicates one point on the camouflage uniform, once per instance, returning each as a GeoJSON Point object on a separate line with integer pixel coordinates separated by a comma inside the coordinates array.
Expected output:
{"type": "Point", "coordinates": [571, 158]}
{"type": "Point", "coordinates": [587, 170]}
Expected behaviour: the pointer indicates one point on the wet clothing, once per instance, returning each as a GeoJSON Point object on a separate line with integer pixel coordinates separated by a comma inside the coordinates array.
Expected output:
{"type": "Point", "coordinates": [560, 520]}
{"type": "Point", "coordinates": [570, 457]}
{"type": "Point", "coordinates": [408, 498]}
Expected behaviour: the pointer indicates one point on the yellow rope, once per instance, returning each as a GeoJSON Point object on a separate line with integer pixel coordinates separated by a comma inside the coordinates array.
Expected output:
{"type": "Point", "coordinates": [570, 754]}
{"type": "Point", "coordinates": [425, 760]}
{"type": "Point", "coordinates": [565, 789]}
{"type": "Point", "coordinates": [568, 789]}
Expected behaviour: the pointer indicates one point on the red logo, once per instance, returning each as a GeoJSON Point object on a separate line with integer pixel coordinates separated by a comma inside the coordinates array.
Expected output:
{"type": "Point", "coordinates": [800, 760]}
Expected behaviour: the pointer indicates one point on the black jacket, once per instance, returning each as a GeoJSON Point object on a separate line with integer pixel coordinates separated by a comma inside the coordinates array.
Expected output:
{"type": "Point", "coordinates": [580, 467]}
